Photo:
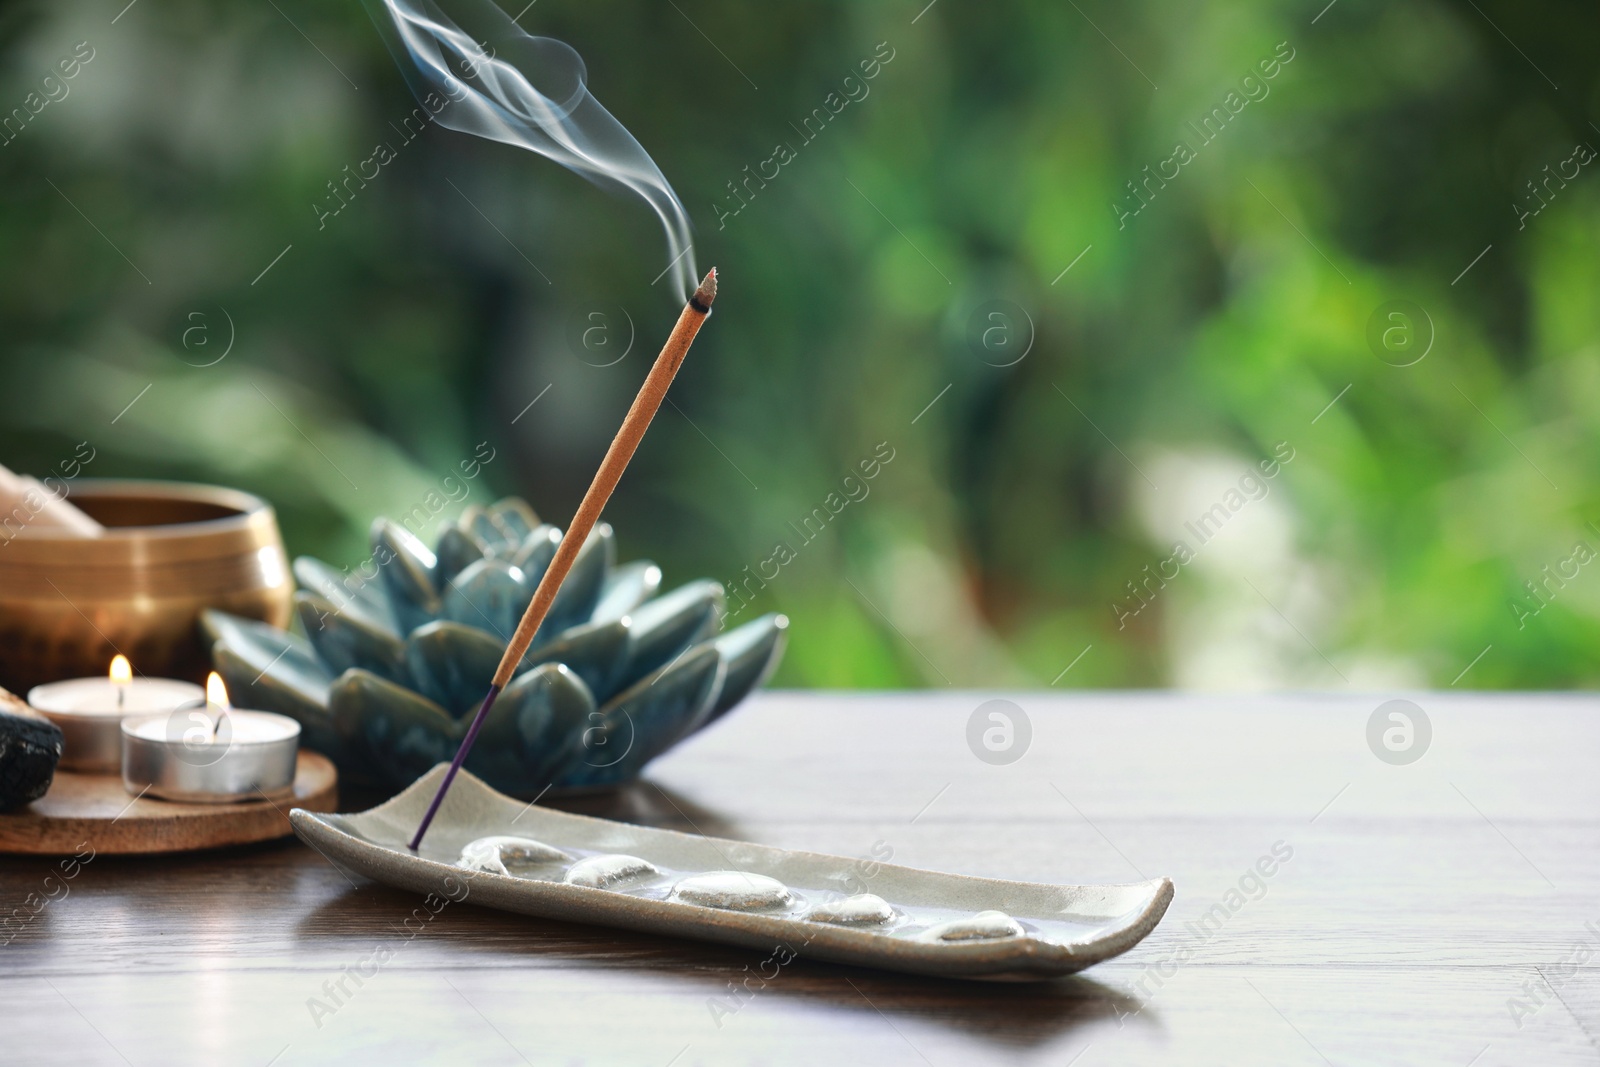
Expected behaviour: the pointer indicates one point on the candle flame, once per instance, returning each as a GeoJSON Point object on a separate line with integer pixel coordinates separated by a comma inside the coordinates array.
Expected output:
{"type": "Point", "coordinates": [121, 670]}
{"type": "Point", "coordinates": [216, 692]}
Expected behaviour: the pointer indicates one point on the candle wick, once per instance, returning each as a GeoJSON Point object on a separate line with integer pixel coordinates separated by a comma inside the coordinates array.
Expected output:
{"type": "Point", "coordinates": [217, 726]}
{"type": "Point", "coordinates": [122, 696]}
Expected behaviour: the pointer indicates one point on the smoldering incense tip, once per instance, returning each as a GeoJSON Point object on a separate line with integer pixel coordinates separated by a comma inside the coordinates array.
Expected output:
{"type": "Point", "coordinates": [706, 293]}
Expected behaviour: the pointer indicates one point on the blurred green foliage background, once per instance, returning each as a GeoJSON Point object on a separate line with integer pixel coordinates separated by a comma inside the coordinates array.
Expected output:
{"type": "Point", "coordinates": [1223, 325]}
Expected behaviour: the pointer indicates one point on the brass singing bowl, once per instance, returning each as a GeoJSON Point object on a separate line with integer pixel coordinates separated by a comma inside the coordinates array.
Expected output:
{"type": "Point", "coordinates": [170, 550]}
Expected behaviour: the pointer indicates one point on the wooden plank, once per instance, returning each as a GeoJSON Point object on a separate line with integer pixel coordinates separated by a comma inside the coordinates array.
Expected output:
{"type": "Point", "coordinates": [1418, 903]}
{"type": "Point", "coordinates": [93, 813]}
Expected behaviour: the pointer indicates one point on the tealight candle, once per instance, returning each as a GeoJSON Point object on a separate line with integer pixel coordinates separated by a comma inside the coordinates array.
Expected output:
{"type": "Point", "coordinates": [90, 712]}
{"type": "Point", "coordinates": [210, 753]}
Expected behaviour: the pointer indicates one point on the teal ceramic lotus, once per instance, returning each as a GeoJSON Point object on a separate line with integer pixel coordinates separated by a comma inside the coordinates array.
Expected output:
{"type": "Point", "coordinates": [398, 654]}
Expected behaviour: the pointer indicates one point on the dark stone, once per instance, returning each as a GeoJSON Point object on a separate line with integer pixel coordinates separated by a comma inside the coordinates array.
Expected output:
{"type": "Point", "coordinates": [30, 748]}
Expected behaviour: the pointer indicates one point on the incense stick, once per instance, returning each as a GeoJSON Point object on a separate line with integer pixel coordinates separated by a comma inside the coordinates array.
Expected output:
{"type": "Point", "coordinates": [645, 405]}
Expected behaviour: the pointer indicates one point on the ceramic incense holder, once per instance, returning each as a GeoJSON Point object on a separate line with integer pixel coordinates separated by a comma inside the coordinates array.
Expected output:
{"type": "Point", "coordinates": [498, 852]}
{"type": "Point", "coordinates": [400, 651]}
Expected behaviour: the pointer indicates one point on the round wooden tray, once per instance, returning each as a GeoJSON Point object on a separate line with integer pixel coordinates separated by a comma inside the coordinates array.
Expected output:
{"type": "Point", "coordinates": [95, 810]}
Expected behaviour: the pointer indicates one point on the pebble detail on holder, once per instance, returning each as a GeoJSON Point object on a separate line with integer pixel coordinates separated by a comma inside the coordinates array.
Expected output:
{"type": "Point", "coordinates": [733, 890]}
{"type": "Point", "coordinates": [611, 872]}
{"type": "Point", "coordinates": [508, 855]}
{"type": "Point", "coordinates": [863, 909]}
{"type": "Point", "coordinates": [728, 890]}
{"type": "Point", "coordinates": [984, 926]}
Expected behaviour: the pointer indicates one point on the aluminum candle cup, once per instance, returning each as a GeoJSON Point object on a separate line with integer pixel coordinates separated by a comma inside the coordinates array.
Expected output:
{"type": "Point", "coordinates": [194, 755]}
{"type": "Point", "coordinates": [90, 712]}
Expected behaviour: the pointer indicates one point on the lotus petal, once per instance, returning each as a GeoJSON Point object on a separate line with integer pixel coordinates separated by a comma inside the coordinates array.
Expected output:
{"type": "Point", "coordinates": [581, 590]}
{"type": "Point", "coordinates": [388, 726]}
{"type": "Point", "coordinates": [596, 652]}
{"type": "Point", "coordinates": [515, 517]}
{"type": "Point", "coordinates": [452, 663]}
{"type": "Point", "coordinates": [646, 720]}
{"type": "Point", "coordinates": [533, 556]}
{"type": "Point", "coordinates": [625, 588]}
{"type": "Point", "coordinates": [491, 595]}
{"type": "Point", "coordinates": [358, 594]}
{"type": "Point", "coordinates": [256, 641]}
{"type": "Point", "coordinates": [345, 640]}
{"type": "Point", "coordinates": [752, 653]}
{"type": "Point", "coordinates": [663, 627]}
{"type": "Point", "coordinates": [525, 736]}
{"type": "Point", "coordinates": [496, 539]}
{"type": "Point", "coordinates": [407, 568]}
{"type": "Point", "coordinates": [456, 551]}
{"type": "Point", "coordinates": [533, 729]}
